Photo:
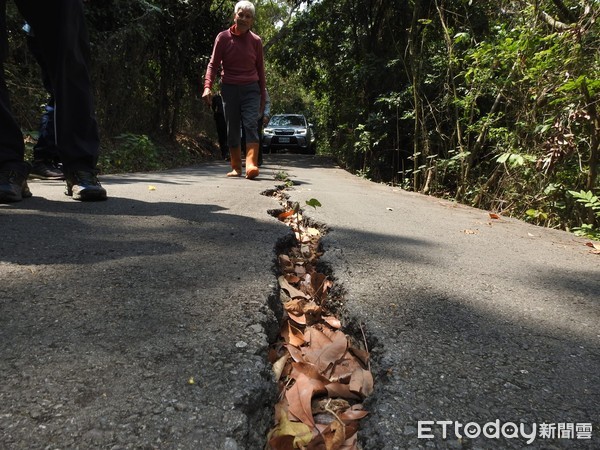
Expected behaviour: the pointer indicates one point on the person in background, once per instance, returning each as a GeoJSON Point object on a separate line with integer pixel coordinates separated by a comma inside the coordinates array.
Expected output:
{"type": "Point", "coordinates": [46, 160]}
{"type": "Point", "coordinates": [262, 122]}
{"type": "Point", "coordinates": [46, 163]}
{"type": "Point", "coordinates": [238, 53]}
{"type": "Point", "coordinates": [219, 115]}
{"type": "Point", "coordinates": [59, 26]}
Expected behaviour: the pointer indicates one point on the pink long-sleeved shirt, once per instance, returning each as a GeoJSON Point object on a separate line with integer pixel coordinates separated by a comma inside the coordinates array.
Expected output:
{"type": "Point", "coordinates": [240, 57]}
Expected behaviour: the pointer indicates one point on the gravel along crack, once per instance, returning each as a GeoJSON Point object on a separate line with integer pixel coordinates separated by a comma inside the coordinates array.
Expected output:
{"type": "Point", "coordinates": [323, 375]}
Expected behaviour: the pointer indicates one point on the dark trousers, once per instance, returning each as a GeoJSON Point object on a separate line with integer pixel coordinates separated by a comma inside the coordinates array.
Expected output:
{"type": "Point", "coordinates": [222, 134]}
{"type": "Point", "coordinates": [45, 148]}
{"type": "Point", "coordinates": [59, 26]}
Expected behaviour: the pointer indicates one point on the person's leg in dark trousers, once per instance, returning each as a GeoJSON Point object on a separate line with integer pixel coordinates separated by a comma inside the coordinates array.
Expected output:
{"type": "Point", "coordinates": [11, 139]}
{"type": "Point", "coordinates": [221, 124]}
{"type": "Point", "coordinates": [260, 133]}
{"type": "Point", "coordinates": [63, 40]}
{"type": "Point", "coordinates": [243, 142]}
{"type": "Point", "coordinates": [46, 159]}
{"type": "Point", "coordinates": [13, 168]}
{"type": "Point", "coordinates": [222, 133]}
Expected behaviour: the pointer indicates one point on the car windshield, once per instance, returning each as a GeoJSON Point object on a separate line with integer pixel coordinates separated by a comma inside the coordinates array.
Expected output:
{"type": "Point", "coordinates": [287, 121]}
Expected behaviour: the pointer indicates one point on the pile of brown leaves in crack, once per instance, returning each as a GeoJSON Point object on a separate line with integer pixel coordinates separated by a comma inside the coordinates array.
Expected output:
{"type": "Point", "coordinates": [323, 374]}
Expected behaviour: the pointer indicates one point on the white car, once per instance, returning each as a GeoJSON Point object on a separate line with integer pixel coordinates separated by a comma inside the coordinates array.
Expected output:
{"type": "Point", "coordinates": [288, 131]}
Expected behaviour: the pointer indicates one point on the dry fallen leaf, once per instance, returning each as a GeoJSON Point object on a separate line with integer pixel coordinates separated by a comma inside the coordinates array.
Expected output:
{"type": "Point", "coordinates": [344, 367]}
{"type": "Point", "coordinates": [494, 216]}
{"type": "Point", "coordinates": [295, 306]}
{"type": "Point", "coordinates": [297, 432]}
{"type": "Point", "coordinates": [283, 442]}
{"type": "Point", "coordinates": [292, 335]}
{"type": "Point", "coordinates": [151, 188]}
{"type": "Point", "coordinates": [285, 214]}
{"type": "Point", "coordinates": [312, 232]}
{"type": "Point", "coordinates": [319, 285]}
{"type": "Point", "coordinates": [324, 354]}
{"type": "Point", "coordinates": [341, 390]}
{"type": "Point", "coordinates": [278, 366]}
{"type": "Point", "coordinates": [362, 355]}
{"type": "Point", "coordinates": [306, 251]}
{"type": "Point", "coordinates": [333, 322]}
{"type": "Point", "coordinates": [295, 309]}
{"type": "Point", "coordinates": [334, 435]}
{"type": "Point", "coordinates": [292, 278]}
{"type": "Point", "coordinates": [361, 382]}
{"type": "Point", "coordinates": [291, 290]}
{"type": "Point", "coordinates": [299, 398]}
{"type": "Point", "coordinates": [285, 263]}
{"type": "Point", "coordinates": [295, 353]}
{"type": "Point", "coordinates": [300, 270]}
{"type": "Point", "coordinates": [314, 336]}
{"type": "Point", "coordinates": [352, 441]}
{"type": "Point", "coordinates": [300, 319]}
{"type": "Point", "coordinates": [353, 413]}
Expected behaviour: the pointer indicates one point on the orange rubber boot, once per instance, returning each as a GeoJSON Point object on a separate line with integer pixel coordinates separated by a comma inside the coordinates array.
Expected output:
{"type": "Point", "coordinates": [236, 162]}
{"type": "Point", "coordinates": [252, 160]}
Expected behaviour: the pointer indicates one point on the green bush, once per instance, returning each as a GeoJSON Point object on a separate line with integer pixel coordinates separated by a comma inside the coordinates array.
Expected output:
{"type": "Point", "coordinates": [132, 153]}
{"type": "Point", "coordinates": [592, 203]}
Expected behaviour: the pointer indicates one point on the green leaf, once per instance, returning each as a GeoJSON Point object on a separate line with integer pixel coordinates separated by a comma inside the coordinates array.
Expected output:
{"type": "Point", "coordinates": [517, 160]}
{"type": "Point", "coordinates": [503, 158]}
{"type": "Point", "coordinates": [313, 202]}
{"type": "Point", "coordinates": [531, 212]}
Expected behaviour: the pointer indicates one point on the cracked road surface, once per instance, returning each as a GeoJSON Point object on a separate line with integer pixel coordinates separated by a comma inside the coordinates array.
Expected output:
{"type": "Point", "coordinates": [143, 321]}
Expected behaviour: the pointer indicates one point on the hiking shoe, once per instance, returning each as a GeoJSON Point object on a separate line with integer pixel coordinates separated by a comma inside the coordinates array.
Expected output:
{"type": "Point", "coordinates": [84, 185]}
{"type": "Point", "coordinates": [13, 186]}
{"type": "Point", "coordinates": [46, 170]}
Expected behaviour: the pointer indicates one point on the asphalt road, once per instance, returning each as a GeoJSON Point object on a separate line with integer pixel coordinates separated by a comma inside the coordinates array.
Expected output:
{"type": "Point", "coordinates": [143, 321]}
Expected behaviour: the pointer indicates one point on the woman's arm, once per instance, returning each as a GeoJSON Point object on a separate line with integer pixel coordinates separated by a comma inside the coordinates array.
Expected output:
{"type": "Point", "coordinates": [211, 70]}
{"type": "Point", "coordinates": [260, 69]}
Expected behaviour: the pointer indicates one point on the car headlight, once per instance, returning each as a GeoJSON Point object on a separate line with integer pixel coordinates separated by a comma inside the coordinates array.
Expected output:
{"type": "Point", "coordinates": [268, 131]}
{"type": "Point", "coordinates": [301, 131]}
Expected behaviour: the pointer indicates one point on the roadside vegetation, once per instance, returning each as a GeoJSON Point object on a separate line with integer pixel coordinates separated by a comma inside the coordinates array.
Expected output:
{"type": "Point", "coordinates": [492, 103]}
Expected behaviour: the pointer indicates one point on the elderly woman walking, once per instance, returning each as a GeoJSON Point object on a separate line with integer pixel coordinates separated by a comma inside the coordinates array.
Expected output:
{"type": "Point", "coordinates": [238, 52]}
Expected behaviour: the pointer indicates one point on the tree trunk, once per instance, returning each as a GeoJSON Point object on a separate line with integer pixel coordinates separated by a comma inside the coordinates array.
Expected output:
{"type": "Point", "coordinates": [594, 159]}
{"type": "Point", "coordinates": [451, 82]}
{"type": "Point", "coordinates": [415, 69]}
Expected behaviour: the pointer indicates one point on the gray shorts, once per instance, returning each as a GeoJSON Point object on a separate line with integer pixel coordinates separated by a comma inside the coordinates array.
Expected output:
{"type": "Point", "coordinates": [241, 104]}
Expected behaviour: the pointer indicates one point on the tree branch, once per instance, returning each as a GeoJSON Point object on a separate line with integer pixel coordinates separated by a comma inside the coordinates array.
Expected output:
{"type": "Point", "coordinates": [553, 22]}
{"type": "Point", "coordinates": [283, 31]}
{"type": "Point", "coordinates": [564, 12]}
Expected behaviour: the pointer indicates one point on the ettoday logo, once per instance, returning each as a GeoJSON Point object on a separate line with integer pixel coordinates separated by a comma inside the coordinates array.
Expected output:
{"type": "Point", "coordinates": [506, 430]}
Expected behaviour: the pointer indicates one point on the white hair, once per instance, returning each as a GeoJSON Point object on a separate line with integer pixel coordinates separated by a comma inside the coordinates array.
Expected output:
{"type": "Point", "coordinates": [246, 6]}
